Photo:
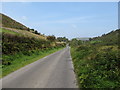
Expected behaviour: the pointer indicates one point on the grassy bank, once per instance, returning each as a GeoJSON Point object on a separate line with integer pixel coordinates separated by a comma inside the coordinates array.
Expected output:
{"type": "Point", "coordinates": [19, 60]}
{"type": "Point", "coordinates": [96, 67]}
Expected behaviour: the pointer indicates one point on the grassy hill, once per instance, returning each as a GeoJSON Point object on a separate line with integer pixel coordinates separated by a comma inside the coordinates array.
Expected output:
{"type": "Point", "coordinates": [11, 26]}
{"type": "Point", "coordinates": [10, 23]}
{"type": "Point", "coordinates": [109, 38]}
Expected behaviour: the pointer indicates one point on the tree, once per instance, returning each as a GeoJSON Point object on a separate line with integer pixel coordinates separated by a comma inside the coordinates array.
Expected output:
{"type": "Point", "coordinates": [36, 32]}
{"type": "Point", "coordinates": [90, 39]}
{"type": "Point", "coordinates": [28, 29]}
{"type": "Point", "coordinates": [32, 29]}
{"type": "Point", "coordinates": [62, 39]}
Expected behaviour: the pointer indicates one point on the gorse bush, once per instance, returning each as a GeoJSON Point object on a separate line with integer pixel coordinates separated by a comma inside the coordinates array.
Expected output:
{"type": "Point", "coordinates": [99, 69]}
{"type": "Point", "coordinates": [13, 44]}
{"type": "Point", "coordinates": [51, 38]}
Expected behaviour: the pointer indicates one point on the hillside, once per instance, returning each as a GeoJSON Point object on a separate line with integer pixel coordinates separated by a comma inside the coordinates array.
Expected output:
{"type": "Point", "coordinates": [11, 26]}
{"type": "Point", "coordinates": [22, 33]}
{"type": "Point", "coordinates": [10, 23]}
{"type": "Point", "coordinates": [109, 38]}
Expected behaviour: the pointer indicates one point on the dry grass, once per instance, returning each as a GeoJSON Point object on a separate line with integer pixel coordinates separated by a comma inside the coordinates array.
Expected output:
{"type": "Point", "coordinates": [26, 33]}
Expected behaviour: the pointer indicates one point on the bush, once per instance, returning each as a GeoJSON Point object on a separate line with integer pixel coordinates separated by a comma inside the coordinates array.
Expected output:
{"type": "Point", "coordinates": [13, 44]}
{"type": "Point", "coordinates": [96, 68]}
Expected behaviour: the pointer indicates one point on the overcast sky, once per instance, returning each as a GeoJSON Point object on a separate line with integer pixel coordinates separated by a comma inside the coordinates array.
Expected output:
{"type": "Point", "coordinates": [70, 19]}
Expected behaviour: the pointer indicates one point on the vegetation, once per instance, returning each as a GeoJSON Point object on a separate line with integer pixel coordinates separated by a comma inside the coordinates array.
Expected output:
{"type": "Point", "coordinates": [13, 43]}
{"type": "Point", "coordinates": [51, 38]}
{"type": "Point", "coordinates": [62, 39]}
{"type": "Point", "coordinates": [97, 62]}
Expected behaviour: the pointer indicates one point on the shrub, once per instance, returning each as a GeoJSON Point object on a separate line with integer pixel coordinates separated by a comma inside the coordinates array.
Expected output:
{"type": "Point", "coordinates": [95, 68]}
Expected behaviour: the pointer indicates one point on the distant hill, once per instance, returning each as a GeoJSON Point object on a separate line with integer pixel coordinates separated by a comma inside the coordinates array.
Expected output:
{"type": "Point", "coordinates": [83, 38]}
{"type": "Point", "coordinates": [109, 38]}
{"type": "Point", "coordinates": [10, 23]}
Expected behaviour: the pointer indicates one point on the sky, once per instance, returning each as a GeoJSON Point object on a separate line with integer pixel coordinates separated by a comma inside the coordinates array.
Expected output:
{"type": "Point", "coordinates": [69, 19]}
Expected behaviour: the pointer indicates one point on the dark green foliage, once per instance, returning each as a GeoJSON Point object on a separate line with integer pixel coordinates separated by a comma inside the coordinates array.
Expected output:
{"type": "Point", "coordinates": [36, 32]}
{"type": "Point", "coordinates": [28, 29]}
{"type": "Point", "coordinates": [62, 39]}
{"type": "Point", "coordinates": [32, 29]}
{"type": "Point", "coordinates": [13, 44]}
{"type": "Point", "coordinates": [10, 23]}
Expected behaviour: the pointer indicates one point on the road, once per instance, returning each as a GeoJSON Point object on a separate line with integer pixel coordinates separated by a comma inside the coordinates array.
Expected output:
{"type": "Point", "coordinates": [53, 71]}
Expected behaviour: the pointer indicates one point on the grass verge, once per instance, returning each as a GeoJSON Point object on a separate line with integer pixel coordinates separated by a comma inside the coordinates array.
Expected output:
{"type": "Point", "coordinates": [20, 60]}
